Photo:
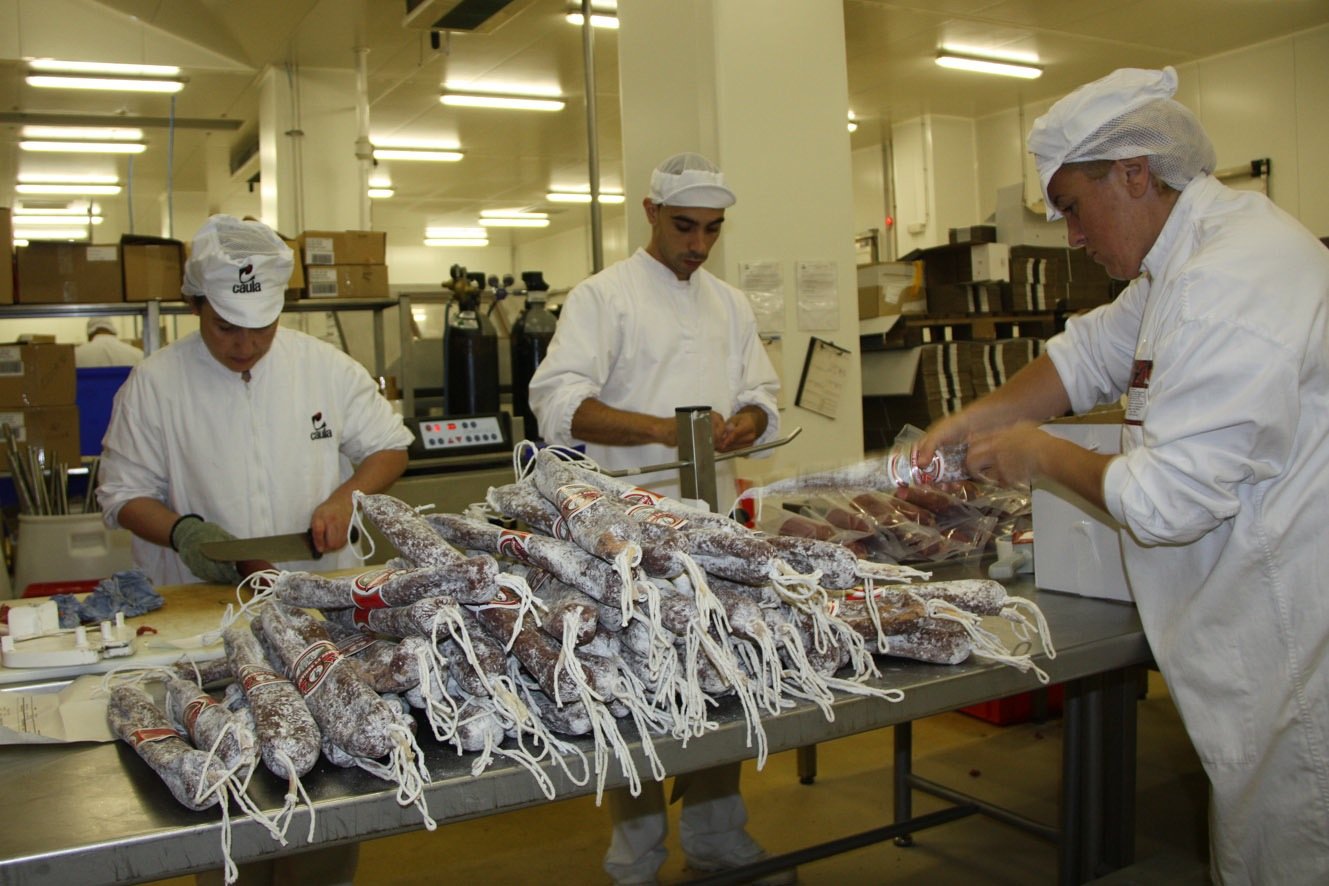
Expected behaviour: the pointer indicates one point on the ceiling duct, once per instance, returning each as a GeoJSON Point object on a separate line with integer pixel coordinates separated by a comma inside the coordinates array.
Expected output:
{"type": "Point", "coordinates": [475, 16]}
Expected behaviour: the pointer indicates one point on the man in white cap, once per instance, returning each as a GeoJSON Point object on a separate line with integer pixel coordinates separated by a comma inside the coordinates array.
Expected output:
{"type": "Point", "coordinates": [244, 428]}
{"type": "Point", "coordinates": [1220, 347]}
{"type": "Point", "coordinates": [634, 342]}
{"type": "Point", "coordinates": [103, 348]}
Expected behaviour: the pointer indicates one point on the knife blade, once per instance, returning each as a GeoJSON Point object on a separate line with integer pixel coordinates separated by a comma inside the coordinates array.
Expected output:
{"type": "Point", "coordinates": [275, 548]}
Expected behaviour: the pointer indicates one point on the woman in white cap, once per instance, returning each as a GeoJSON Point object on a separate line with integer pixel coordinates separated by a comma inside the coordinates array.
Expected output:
{"type": "Point", "coordinates": [1221, 348]}
{"type": "Point", "coordinates": [634, 342]}
{"type": "Point", "coordinates": [103, 348]}
{"type": "Point", "coordinates": [245, 428]}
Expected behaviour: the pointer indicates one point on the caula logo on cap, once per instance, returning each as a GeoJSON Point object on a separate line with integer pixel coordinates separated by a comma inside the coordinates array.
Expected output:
{"type": "Point", "coordinates": [247, 285]}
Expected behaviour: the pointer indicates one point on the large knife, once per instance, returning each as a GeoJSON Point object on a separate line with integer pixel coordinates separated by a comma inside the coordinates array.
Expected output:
{"type": "Point", "coordinates": [274, 548]}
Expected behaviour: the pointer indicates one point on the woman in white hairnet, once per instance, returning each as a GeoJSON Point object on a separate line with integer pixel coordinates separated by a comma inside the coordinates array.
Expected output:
{"type": "Point", "coordinates": [103, 348]}
{"type": "Point", "coordinates": [1220, 347]}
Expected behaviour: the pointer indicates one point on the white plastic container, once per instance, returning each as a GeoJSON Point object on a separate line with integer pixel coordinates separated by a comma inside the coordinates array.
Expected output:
{"type": "Point", "coordinates": [69, 547]}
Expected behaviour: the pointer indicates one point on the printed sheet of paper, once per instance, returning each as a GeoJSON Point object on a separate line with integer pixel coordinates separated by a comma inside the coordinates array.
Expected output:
{"type": "Point", "coordinates": [818, 296]}
{"type": "Point", "coordinates": [763, 283]}
{"type": "Point", "coordinates": [824, 372]}
{"type": "Point", "coordinates": [75, 713]}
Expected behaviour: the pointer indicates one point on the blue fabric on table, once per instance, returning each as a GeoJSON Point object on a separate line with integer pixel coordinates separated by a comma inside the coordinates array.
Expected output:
{"type": "Point", "coordinates": [130, 592]}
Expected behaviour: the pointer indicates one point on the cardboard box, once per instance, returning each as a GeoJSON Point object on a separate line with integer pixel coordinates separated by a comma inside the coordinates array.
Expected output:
{"type": "Point", "coordinates": [347, 281]}
{"type": "Point", "coordinates": [36, 375]}
{"type": "Point", "coordinates": [296, 284]}
{"type": "Point", "coordinates": [895, 288]}
{"type": "Point", "coordinates": [968, 298]}
{"type": "Point", "coordinates": [1078, 546]}
{"type": "Point", "coordinates": [965, 263]}
{"type": "Point", "coordinates": [153, 269]}
{"type": "Point", "coordinates": [344, 247]}
{"type": "Point", "coordinates": [68, 273]}
{"type": "Point", "coordinates": [52, 429]}
{"type": "Point", "coordinates": [6, 258]}
{"type": "Point", "coordinates": [974, 234]}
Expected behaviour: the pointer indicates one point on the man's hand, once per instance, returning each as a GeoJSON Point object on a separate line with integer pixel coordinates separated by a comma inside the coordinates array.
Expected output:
{"type": "Point", "coordinates": [188, 534]}
{"type": "Point", "coordinates": [331, 523]}
{"type": "Point", "coordinates": [741, 431]}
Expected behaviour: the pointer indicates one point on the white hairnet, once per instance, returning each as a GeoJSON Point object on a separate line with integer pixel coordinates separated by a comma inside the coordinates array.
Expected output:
{"type": "Point", "coordinates": [1128, 113]}
{"type": "Point", "coordinates": [690, 180]}
{"type": "Point", "coordinates": [100, 324]}
{"type": "Point", "coordinates": [242, 268]}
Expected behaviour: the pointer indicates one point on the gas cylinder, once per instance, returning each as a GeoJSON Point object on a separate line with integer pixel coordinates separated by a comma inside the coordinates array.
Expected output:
{"type": "Point", "coordinates": [470, 357]}
{"type": "Point", "coordinates": [531, 333]}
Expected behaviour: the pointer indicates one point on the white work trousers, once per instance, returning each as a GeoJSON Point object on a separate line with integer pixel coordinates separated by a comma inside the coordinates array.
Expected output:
{"type": "Point", "coordinates": [712, 823]}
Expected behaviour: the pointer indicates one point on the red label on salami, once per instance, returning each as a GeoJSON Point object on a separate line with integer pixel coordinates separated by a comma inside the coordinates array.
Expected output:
{"type": "Point", "coordinates": [561, 530]}
{"type": "Point", "coordinates": [361, 617]}
{"type": "Point", "coordinates": [504, 598]}
{"type": "Point", "coordinates": [253, 676]}
{"type": "Point", "coordinates": [649, 513]}
{"type": "Point", "coordinates": [313, 665]}
{"type": "Point", "coordinates": [367, 589]}
{"type": "Point", "coordinates": [575, 498]}
{"type": "Point", "coordinates": [143, 736]}
{"type": "Point", "coordinates": [637, 495]}
{"type": "Point", "coordinates": [192, 711]}
{"type": "Point", "coordinates": [355, 643]}
{"type": "Point", "coordinates": [512, 543]}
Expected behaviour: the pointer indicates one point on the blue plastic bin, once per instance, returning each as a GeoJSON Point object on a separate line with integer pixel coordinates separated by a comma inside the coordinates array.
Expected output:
{"type": "Point", "coordinates": [96, 387]}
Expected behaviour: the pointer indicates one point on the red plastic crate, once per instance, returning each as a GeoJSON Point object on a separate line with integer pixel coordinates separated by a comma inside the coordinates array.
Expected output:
{"type": "Point", "coordinates": [1015, 708]}
{"type": "Point", "coordinates": [51, 588]}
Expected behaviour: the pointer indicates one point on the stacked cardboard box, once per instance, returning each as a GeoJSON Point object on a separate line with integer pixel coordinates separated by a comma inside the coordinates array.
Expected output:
{"type": "Point", "coordinates": [69, 273]}
{"type": "Point", "coordinates": [991, 364]}
{"type": "Point", "coordinates": [1045, 278]}
{"type": "Point", "coordinates": [890, 288]}
{"type": "Point", "coordinates": [37, 400]}
{"type": "Point", "coordinates": [951, 273]}
{"type": "Point", "coordinates": [345, 264]}
{"type": "Point", "coordinates": [152, 268]}
{"type": "Point", "coordinates": [6, 258]}
{"type": "Point", "coordinates": [968, 298]}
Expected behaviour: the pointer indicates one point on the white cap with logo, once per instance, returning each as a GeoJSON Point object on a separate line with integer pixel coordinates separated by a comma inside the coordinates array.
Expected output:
{"type": "Point", "coordinates": [690, 180]}
{"type": "Point", "coordinates": [242, 268]}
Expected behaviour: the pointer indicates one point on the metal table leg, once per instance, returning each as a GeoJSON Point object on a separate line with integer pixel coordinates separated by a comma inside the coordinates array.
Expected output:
{"type": "Point", "coordinates": [904, 768]}
{"type": "Point", "coordinates": [807, 764]}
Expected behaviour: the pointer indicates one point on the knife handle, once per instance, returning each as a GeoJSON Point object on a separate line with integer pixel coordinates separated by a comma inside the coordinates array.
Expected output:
{"type": "Point", "coordinates": [354, 536]}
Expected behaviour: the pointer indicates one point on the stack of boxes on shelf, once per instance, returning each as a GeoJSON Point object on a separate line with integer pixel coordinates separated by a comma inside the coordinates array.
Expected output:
{"type": "Point", "coordinates": [135, 269]}
{"type": "Point", "coordinates": [1045, 278]}
{"type": "Point", "coordinates": [6, 258]}
{"type": "Point", "coordinates": [37, 400]}
{"type": "Point", "coordinates": [344, 264]}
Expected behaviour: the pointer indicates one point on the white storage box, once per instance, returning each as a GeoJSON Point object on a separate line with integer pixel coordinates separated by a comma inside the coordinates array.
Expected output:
{"type": "Point", "coordinates": [68, 547]}
{"type": "Point", "coordinates": [1077, 546]}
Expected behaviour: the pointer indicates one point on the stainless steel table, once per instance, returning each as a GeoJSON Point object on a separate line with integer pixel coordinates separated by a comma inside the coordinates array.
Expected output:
{"type": "Point", "coordinates": [96, 814]}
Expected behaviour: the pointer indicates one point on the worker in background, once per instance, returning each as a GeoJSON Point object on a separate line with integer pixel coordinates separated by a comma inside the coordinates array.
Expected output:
{"type": "Point", "coordinates": [635, 341]}
{"type": "Point", "coordinates": [103, 348]}
{"type": "Point", "coordinates": [244, 428]}
{"type": "Point", "coordinates": [1220, 346]}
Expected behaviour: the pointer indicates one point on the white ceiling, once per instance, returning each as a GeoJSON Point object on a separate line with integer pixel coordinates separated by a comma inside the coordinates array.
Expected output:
{"type": "Point", "coordinates": [513, 158]}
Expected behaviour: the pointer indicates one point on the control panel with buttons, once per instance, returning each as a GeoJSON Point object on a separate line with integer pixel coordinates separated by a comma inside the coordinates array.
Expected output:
{"type": "Point", "coordinates": [452, 435]}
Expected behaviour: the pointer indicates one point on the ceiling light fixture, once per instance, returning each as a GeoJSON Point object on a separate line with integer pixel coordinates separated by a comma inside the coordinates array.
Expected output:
{"type": "Point", "coordinates": [510, 222]}
{"type": "Point", "coordinates": [581, 197]}
{"type": "Point", "coordinates": [380, 193]}
{"type": "Point", "coordinates": [78, 188]}
{"type": "Point", "coordinates": [433, 154]}
{"type": "Point", "coordinates": [50, 234]}
{"type": "Point", "coordinates": [85, 133]}
{"type": "Point", "coordinates": [511, 213]}
{"type": "Point", "coordinates": [598, 20]}
{"type": "Point", "coordinates": [24, 218]}
{"type": "Point", "coordinates": [510, 102]}
{"type": "Point", "coordinates": [455, 233]}
{"type": "Point", "coordinates": [988, 66]}
{"type": "Point", "coordinates": [59, 74]}
{"type": "Point", "coordinates": [853, 122]}
{"type": "Point", "coordinates": [456, 241]}
{"type": "Point", "coordinates": [81, 147]}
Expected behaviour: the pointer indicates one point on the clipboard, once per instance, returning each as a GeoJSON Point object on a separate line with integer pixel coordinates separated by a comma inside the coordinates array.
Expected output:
{"type": "Point", "coordinates": [825, 369]}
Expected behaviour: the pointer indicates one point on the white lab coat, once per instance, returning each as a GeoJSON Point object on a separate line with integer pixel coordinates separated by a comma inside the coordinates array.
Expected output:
{"type": "Point", "coordinates": [636, 337]}
{"type": "Point", "coordinates": [255, 458]}
{"type": "Point", "coordinates": [106, 350]}
{"type": "Point", "coordinates": [1225, 487]}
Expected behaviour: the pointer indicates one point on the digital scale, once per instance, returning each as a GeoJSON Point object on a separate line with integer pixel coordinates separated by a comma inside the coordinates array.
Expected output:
{"type": "Point", "coordinates": [460, 435]}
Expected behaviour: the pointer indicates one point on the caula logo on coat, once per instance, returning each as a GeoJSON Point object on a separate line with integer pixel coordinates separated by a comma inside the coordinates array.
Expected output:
{"type": "Point", "coordinates": [247, 283]}
{"type": "Point", "coordinates": [321, 430]}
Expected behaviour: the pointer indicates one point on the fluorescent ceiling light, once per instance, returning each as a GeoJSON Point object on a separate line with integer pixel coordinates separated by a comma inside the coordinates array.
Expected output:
{"type": "Point", "coordinates": [988, 66]}
{"type": "Point", "coordinates": [500, 222]}
{"type": "Point", "coordinates": [456, 233]}
{"type": "Point", "coordinates": [87, 133]}
{"type": "Point", "coordinates": [123, 70]}
{"type": "Point", "coordinates": [55, 188]}
{"type": "Point", "coordinates": [74, 209]}
{"type": "Point", "coordinates": [581, 197]}
{"type": "Point", "coordinates": [67, 178]}
{"type": "Point", "coordinates": [51, 233]}
{"type": "Point", "coordinates": [380, 193]}
{"type": "Point", "coordinates": [19, 241]}
{"type": "Point", "coordinates": [24, 218]}
{"type": "Point", "coordinates": [598, 20]}
{"type": "Point", "coordinates": [79, 147]}
{"type": "Point", "coordinates": [380, 181]}
{"type": "Point", "coordinates": [511, 213]}
{"type": "Point", "coordinates": [511, 102]}
{"type": "Point", "coordinates": [456, 241]}
{"type": "Point", "coordinates": [112, 84]}
{"type": "Point", "coordinates": [853, 122]}
{"type": "Point", "coordinates": [417, 154]}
